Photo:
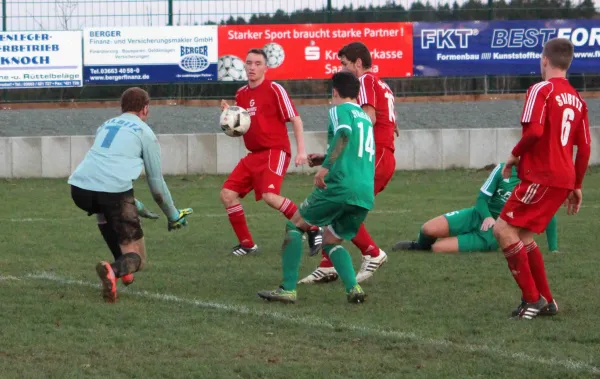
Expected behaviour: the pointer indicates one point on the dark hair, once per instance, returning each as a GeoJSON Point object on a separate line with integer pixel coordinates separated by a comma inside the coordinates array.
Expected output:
{"type": "Point", "coordinates": [355, 50]}
{"type": "Point", "coordinates": [346, 84]}
{"type": "Point", "coordinates": [134, 99]}
{"type": "Point", "coordinates": [559, 52]}
{"type": "Point", "coordinates": [259, 52]}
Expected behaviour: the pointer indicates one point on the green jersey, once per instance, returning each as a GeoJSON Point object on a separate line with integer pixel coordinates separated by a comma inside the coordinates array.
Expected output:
{"type": "Point", "coordinates": [351, 174]}
{"type": "Point", "coordinates": [499, 189]}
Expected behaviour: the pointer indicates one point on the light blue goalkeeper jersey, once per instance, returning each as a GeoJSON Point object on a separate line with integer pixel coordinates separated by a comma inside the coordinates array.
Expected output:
{"type": "Point", "coordinates": [122, 147]}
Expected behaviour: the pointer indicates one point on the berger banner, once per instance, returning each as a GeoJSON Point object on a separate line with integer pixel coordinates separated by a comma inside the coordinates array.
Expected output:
{"type": "Point", "coordinates": [150, 55]}
{"type": "Point", "coordinates": [309, 51]}
{"type": "Point", "coordinates": [40, 59]}
{"type": "Point", "coordinates": [500, 47]}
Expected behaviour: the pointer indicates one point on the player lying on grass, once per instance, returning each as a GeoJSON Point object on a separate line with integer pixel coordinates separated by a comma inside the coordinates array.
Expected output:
{"type": "Point", "coordinates": [471, 229]}
{"type": "Point", "coordinates": [264, 168]}
{"type": "Point", "coordinates": [102, 185]}
{"type": "Point", "coordinates": [554, 120]}
{"type": "Point", "coordinates": [343, 197]}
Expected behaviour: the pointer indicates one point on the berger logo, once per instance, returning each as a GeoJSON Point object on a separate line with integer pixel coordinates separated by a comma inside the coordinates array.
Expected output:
{"type": "Point", "coordinates": [194, 58]}
{"type": "Point", "coordinates": [446, 38]}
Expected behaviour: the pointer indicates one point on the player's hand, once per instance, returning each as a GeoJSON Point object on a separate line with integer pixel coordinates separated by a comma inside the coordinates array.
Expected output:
{"type": "Point", "coordinates": [397, 131]}
{"type": "Point", "coordinates": [315, 159]}
{"type": "Point", "coordinates": [224, 105]}
{"type": "Point", "coordinates": [320, 178]}
{"type": "Point", "coordinates": [573, 202]}
{"type": "Point", "coordinates": [488, 223]}
{"type": "Point", "coordinates": [301, 159]}
{"type": "Point", "coordinates": [146, 213]}
{"type": "Point", "coordinates": [181, 221]}
{"type": "Point", "coordinates": [508, 165]}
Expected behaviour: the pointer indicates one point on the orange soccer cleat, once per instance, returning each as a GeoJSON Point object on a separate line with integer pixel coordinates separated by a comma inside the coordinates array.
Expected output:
{"type": "Point", "coordinates": [109, 281]}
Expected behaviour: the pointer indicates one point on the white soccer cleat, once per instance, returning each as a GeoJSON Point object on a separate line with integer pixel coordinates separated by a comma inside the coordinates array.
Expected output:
{"type": "Point", "coordinates": [370, 265]}
{"type": "Point", "coordinates": [321, 275]}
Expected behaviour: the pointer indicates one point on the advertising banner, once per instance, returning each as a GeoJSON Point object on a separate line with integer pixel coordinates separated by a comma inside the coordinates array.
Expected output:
{"type": "Point", "coordinates": [40, 59]}
{"type": "Point", "coordinates": [500, 47]}
{"type": "Point", "coordinates": [309, 51]}
{"type": "Point", "coordinates": [150, 55]}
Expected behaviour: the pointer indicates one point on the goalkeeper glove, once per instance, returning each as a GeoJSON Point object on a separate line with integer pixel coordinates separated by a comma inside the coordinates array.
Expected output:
{"type": "Point", "coordinates": [144, 212]}
{"type": "Point", "coordinates": [180, 221]}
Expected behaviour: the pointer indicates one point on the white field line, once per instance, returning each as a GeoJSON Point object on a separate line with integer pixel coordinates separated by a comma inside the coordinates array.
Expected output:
{"type": "Point", "coordinates": [309, 321]}
{"type": "Point", "coordinates": [206, 215]}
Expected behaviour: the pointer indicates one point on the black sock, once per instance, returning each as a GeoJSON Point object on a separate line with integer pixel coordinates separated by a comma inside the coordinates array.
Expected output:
{"type": "Point", "coordinates": [126, 264]}
{"type": "Point", "coordinates": [111, 239]}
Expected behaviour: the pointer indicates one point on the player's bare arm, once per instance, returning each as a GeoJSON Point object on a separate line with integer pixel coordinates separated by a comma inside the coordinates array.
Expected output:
{"type": "Point", "coordinates": [298, 127]}
{"type": "Point", "coordinates": [370, 110]}
{"type": "Point", "coordinates": [340, 144]}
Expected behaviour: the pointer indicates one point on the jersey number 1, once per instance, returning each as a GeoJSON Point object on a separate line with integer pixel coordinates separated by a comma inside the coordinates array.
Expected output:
{"type": "Point", "coordinates": [110, 136]}
{"type": "Point", "coordinates": [369, 144]}
{"type": "Point", "coordinates": [568, 116]}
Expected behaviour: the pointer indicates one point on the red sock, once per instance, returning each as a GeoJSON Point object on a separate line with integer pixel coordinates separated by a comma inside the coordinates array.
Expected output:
{"type": "Point", "coordinates": [365, 243]}
{"type": "Point", "coordinates": [240, 227]}
{"type": "Point", "coordinates": [288, 208]}
{"type": "Point", "coordinates": [516, 255]}
{"type": "Point", "coordinates": [536, 264]}
{"type": "Point", "coordinates": [325, 261]}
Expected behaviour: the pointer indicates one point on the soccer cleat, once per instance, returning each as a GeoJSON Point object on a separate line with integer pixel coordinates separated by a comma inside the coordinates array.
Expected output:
{"type": "Point", "coordinates": [281, 295]}
{"type": "Point", "coordinates": [550, 310]}
{"type": "Point", "coordinates": [530, 311]}
{"type": "Point", "coordinates": [406, 245]}
{"type": "Point", "coordinates": [315, 240]}
{"type": "Point", "coordinates": [109, 282]}
{"type": "Point", "coordinates": [321, 275]}
{"type": "Point", "coordinates": [356, 295]}
{"type": "Point", "coordinates": [239, 250]}
{"type": "Point", "coordinates": [517, 310]}
{"type": "Point", "coordinates": [127, 279]}
{"type": "Point", "coordinates": [370, 265]}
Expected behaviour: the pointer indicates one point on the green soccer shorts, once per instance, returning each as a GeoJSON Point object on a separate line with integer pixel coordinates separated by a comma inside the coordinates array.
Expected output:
{"type": "Point", "coordinates": [343, 219]}
{"type": "Point", "coordinates": [465, 224]}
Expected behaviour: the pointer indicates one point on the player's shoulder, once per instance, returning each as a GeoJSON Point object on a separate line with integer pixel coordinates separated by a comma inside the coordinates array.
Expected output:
{"type": "Point", "coordinates": [275, 87]}
{"type": "Point", "coordinates": [368, 77]}
{"type": "Point", "coordinates": [541, 88]}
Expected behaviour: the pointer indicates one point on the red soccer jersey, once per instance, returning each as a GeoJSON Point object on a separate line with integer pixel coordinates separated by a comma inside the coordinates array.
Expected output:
{"type": "Point", "coordinates": [554, 119]}
{"type": "Point", "coordinates": [377, 94]}
{"type": "Point", "coordinates": [270, 108]}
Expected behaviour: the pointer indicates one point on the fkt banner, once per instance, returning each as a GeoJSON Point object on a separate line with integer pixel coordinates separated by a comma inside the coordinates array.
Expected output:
{"type": "Point", "coordinates": [150, 55]}
{"type": "Point", "coordinates": [309, 51]}
{"type": "Point", "coordinates": [500, 47]}
{"type": "Point", "coordinates": [40, 59]}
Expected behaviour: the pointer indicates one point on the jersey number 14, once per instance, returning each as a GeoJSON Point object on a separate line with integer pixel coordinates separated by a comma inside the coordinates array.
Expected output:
{"type": "Point", "coordinates": [366, 145]}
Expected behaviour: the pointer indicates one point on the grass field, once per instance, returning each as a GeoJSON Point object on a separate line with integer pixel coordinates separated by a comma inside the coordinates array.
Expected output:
{"type": "Point", "coordinates": [193, 312]}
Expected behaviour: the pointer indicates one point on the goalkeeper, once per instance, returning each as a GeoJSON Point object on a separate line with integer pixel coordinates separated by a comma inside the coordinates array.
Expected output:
{"type": "Point", "coordinates": [471, 229]}
{"type": "Point", "coordinates": [102, 185]}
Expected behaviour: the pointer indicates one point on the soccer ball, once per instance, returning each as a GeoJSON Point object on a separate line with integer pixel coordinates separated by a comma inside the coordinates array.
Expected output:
{"type": "Point", "coordinates": [275, 54]}
{"type": "Point", "coordinates": [231, 69]}
{"type": "Point", "coordinates": [235, 121]}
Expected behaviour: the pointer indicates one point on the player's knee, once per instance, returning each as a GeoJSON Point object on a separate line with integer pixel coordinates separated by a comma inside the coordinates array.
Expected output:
{"type": "Point", "coordinates": [228, 197]}
{"type": "Point", "coordinates": [272, 200]}
{"type": "Point", "coordinates": [430, 229]}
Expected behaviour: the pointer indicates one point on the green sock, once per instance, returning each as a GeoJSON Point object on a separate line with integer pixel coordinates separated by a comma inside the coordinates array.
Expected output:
{"type": "Point", "coordinates": [291, 256]}
{"type": "Point", "coordinates": [343, 264]}
{"type": "Point", "coordinates": [424, 241]}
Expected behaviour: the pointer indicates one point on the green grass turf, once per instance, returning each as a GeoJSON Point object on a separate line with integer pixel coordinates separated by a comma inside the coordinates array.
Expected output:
{"type": "Point", "coordinates": [193, 312]}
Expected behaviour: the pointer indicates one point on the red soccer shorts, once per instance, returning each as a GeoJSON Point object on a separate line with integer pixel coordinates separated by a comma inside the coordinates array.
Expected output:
{"type": "Point", "coordinates": [531, 206]}
{"type": "Point", "coordinates": [262, 172]}
{"type": "Point", "coordinates": [385, 166]}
